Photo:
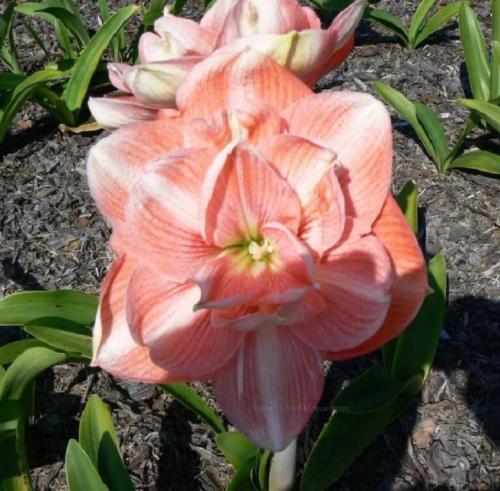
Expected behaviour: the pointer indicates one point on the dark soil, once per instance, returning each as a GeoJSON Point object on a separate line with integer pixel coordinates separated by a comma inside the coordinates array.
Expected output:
{"type": "Point", "coordinates": [53, 237]}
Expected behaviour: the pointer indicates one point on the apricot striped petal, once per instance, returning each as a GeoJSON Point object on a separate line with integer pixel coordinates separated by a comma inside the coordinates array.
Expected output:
{"type": "Point", "coordinates": [358, 129]}
{"type": "Point", "coordinates": [116, 72]}
{"type": "Point", "coordinates": [163, 216]}
{"type": "Point", "coordinates": [160, 313]}
{"type": "Point", "coordinates": [223, 80]}
{"type": "Point", "coordinates": [270, 387]}
{"type": "Point", "coordinates": [355, 282]}
{"type": "Point", "coordinates": [116, 162]}
{"type": "Point", "coordinates": [309, 170]}
{"type": "Point", "coordinates": [114, 349]}
{"type": "Point", "coordinates": [241, 192]}
{"type": "Point", "coordinates": [113, 112]}
{"type": "Point", "coordinates": [410, 285]}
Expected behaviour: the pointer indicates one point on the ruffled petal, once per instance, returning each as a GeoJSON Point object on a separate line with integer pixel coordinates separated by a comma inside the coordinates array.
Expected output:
{"type": "Point", "coordinates": [116, 162]}
{"type": "Point", "coordinates": [156, 84]}
{"type": "Point", "coordinates": [410, 285]}
{"type": "Point", "coordinates": [308, 168]}
{"type": "Point", "coordinates": [114, 349]}
{"type": "Point", "coordinates": [114, 112]}
{"type": "Point", "coordinates": [240, 193]}
{"type": "Point", "coordinates": [250, 17]}
{"type": "Point", "coordinates": [116, 72]}
{"type": "Point", "coordinates": [249, 121]}
{"type": "Point", "coordinates": [163, 214]}
{"type": "Point", "coordinates": [358, 129]}
{"type": "Point", "coordinates": [355, 282]}
{"type": "Point", "coordinates": [237, 278]}
{"type": "Point", "coordinates": [271, 387]}
{"type": "Point", "coordinates": [223, 80]}
{"type": "Point", "coordinates": [161, 317]}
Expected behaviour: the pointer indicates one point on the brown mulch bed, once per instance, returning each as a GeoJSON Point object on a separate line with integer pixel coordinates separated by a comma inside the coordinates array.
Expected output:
{"type": "Point", "coordinates": [53, 237]}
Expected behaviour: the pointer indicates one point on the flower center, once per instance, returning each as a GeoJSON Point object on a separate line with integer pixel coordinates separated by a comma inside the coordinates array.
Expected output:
{"type": "Point", "coordinates": [260, 251]}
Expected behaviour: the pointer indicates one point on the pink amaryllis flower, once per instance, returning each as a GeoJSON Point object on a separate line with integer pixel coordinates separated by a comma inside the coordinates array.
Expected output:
{"type": "Point", "coordinates": [282, 29]}
{"type": "Point", "coordinates": [255, 236]}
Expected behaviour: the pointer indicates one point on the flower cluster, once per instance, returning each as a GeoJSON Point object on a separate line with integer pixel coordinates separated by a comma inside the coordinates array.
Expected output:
{"type": "Point", "coordinates": [284, 30]}
{"type": "Point", "coordinates": [253, 226]}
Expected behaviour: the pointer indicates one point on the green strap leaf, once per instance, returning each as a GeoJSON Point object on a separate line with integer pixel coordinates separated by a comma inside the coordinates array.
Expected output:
{"type": "Point", "coordinates": [423, 9]}
{"type": "Point", "coordinates": [6, 21]}
{"type": "Point", "coordinates": [408, 111]}
{"type": "Point", "coordinates": [436, 22]}
{"type": "Point", "coordinates": [86, 65]}
{"type": "Point", "coordinates": [495, 70]}
{"type": "Point", "coordinates": [345, 437]}
{"type": "Point", "coordinates": [434, 131]}
{"type": "Point", "coordinates": [495, 8]}
{"type": "Point", "coordinates": [408, 202]}
{"type": "Point", "coordinates": [81, 475]}
{"type": "Point", "coordinates": [387, 21]}
{"type": "Point", "coordinates": [237, 448]}
{"type": "Point", "coordinates": [69, 20]}
{"type": "Point", "coordinates": [98, 439]}
{"type": "Point", "coordinates": [490, 112]}
{"type": "Point", "coordinates": [372, 390]}
{"type": "Point", "coordinates": [21, 93]}
{"type": "Point", "coordinates": [25, 307]}
{"type": "Point", "coordinates": [9, 352]}
{"type": "Point", "coordinates": [25, 368]}
{"type": "Point", "coordinates": [417, 345]}
{"type": "Point", "coordinates": [62, 334]}
{"type": "Point", "coordinates": [479, 160]}
{"type": "Point", "coordinates": [189, 398]}
{"type": "Point", "coordinates": [476, 57]}
{"type": "Point", "coordinates": [242, 481]}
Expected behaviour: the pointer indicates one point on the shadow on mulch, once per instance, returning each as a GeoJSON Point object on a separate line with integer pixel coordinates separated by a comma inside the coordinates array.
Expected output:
{"type": "Point", "coordinates": [16, 273]}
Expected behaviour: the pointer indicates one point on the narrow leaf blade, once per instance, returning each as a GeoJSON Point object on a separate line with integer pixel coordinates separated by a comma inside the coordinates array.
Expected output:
{"type": "Point", "coordinates": [408, 111]}
{"type": "Point", "coordinates": [417, 345]}
{"type": "Point", "coordinates": [237, 448]}
{"type": "Point", "coordinates": [434, 131]}
{"type": "Point", "coordinates": [479, 160]}
{"type": "Point", "coordinates": [189, 398]}
{"type": "Point", "coordinates": [437, 21]}
{"type": "Point", "coordinates": [490, 112]}
{"type": "Point", "coordinates": [81, 475]}
{"type": "Point", "coordinates": [86, 65]}
{"type": "Point", "coordinates": [475, 54]}
{"type": "Point", "coordinates": [423, 9]}
{"type": "Point", "coordinates": [24, 307]}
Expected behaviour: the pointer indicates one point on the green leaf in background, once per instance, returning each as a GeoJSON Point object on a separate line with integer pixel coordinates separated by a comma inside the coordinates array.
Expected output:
{"type": "Point", "coordinates": [6, 21]}
{"type": "Point", "coordinates": [237, 448]}
{"type": "Point", "coordinates": [495, 70]}
{"type": "Point", "coordinates": [388, 21]}
{"type": "Point", "coordinates": [9, 352]}
{"type": "Point", "coordinates": [479, 160]}
{"type": "Point", "coordinates": [9, 81]}
{"type": "Point", "coordinates": [62, 334]}
{"type": "Point", "coordinates": [154, 11]}
{"type": "Point", "coordinates": [408, 202]}
{"type": "Point", "coordinates": [189, 398]}
{"type": "Point", "coordinates": [21, 93]}
{"type": "Point", "coordinates": [97, 437]}
{"type": "Point", "coordinates": [417, 345]}
{"type": "Point", "coordinates": [81, 475]}
{"type": "Point", "coordinates": [8, 50]}
{"type": "Point", "coordinates": [476, 57]}
{"type": "Point", "coordinates": [25, 307]}
{"type": "Point", "coordinates": [242, 481]}
{"type": "Point", "coordinates": [437, 21]}
{"type": "Point", "coordinates": [495, 9]}
{"type": "Point", "coordinates": [372, 390]}
{"type": "Point", "coordinates": [408, 111]}
{"type": "Point", "coordinates": [490, 112]}
{"type": "Point", "coordinates": [25, 368]}
{"type": "Point", "coordinates": [78, 84]}
{"type": "Point", "coordinates": [57, 12]}
{"type": "Point", "coordinates": [423, 9]}
{"type": "Point", "coordinates": [345, 437]}
{"type": "Point", "coordinates": [178, 6]}
{"type": "Point", "coordinates": [434, 131]}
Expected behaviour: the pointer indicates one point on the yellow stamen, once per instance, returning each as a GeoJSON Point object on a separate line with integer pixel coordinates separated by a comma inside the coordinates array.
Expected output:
{"type": "Point", "coordinates": [259, 252]}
